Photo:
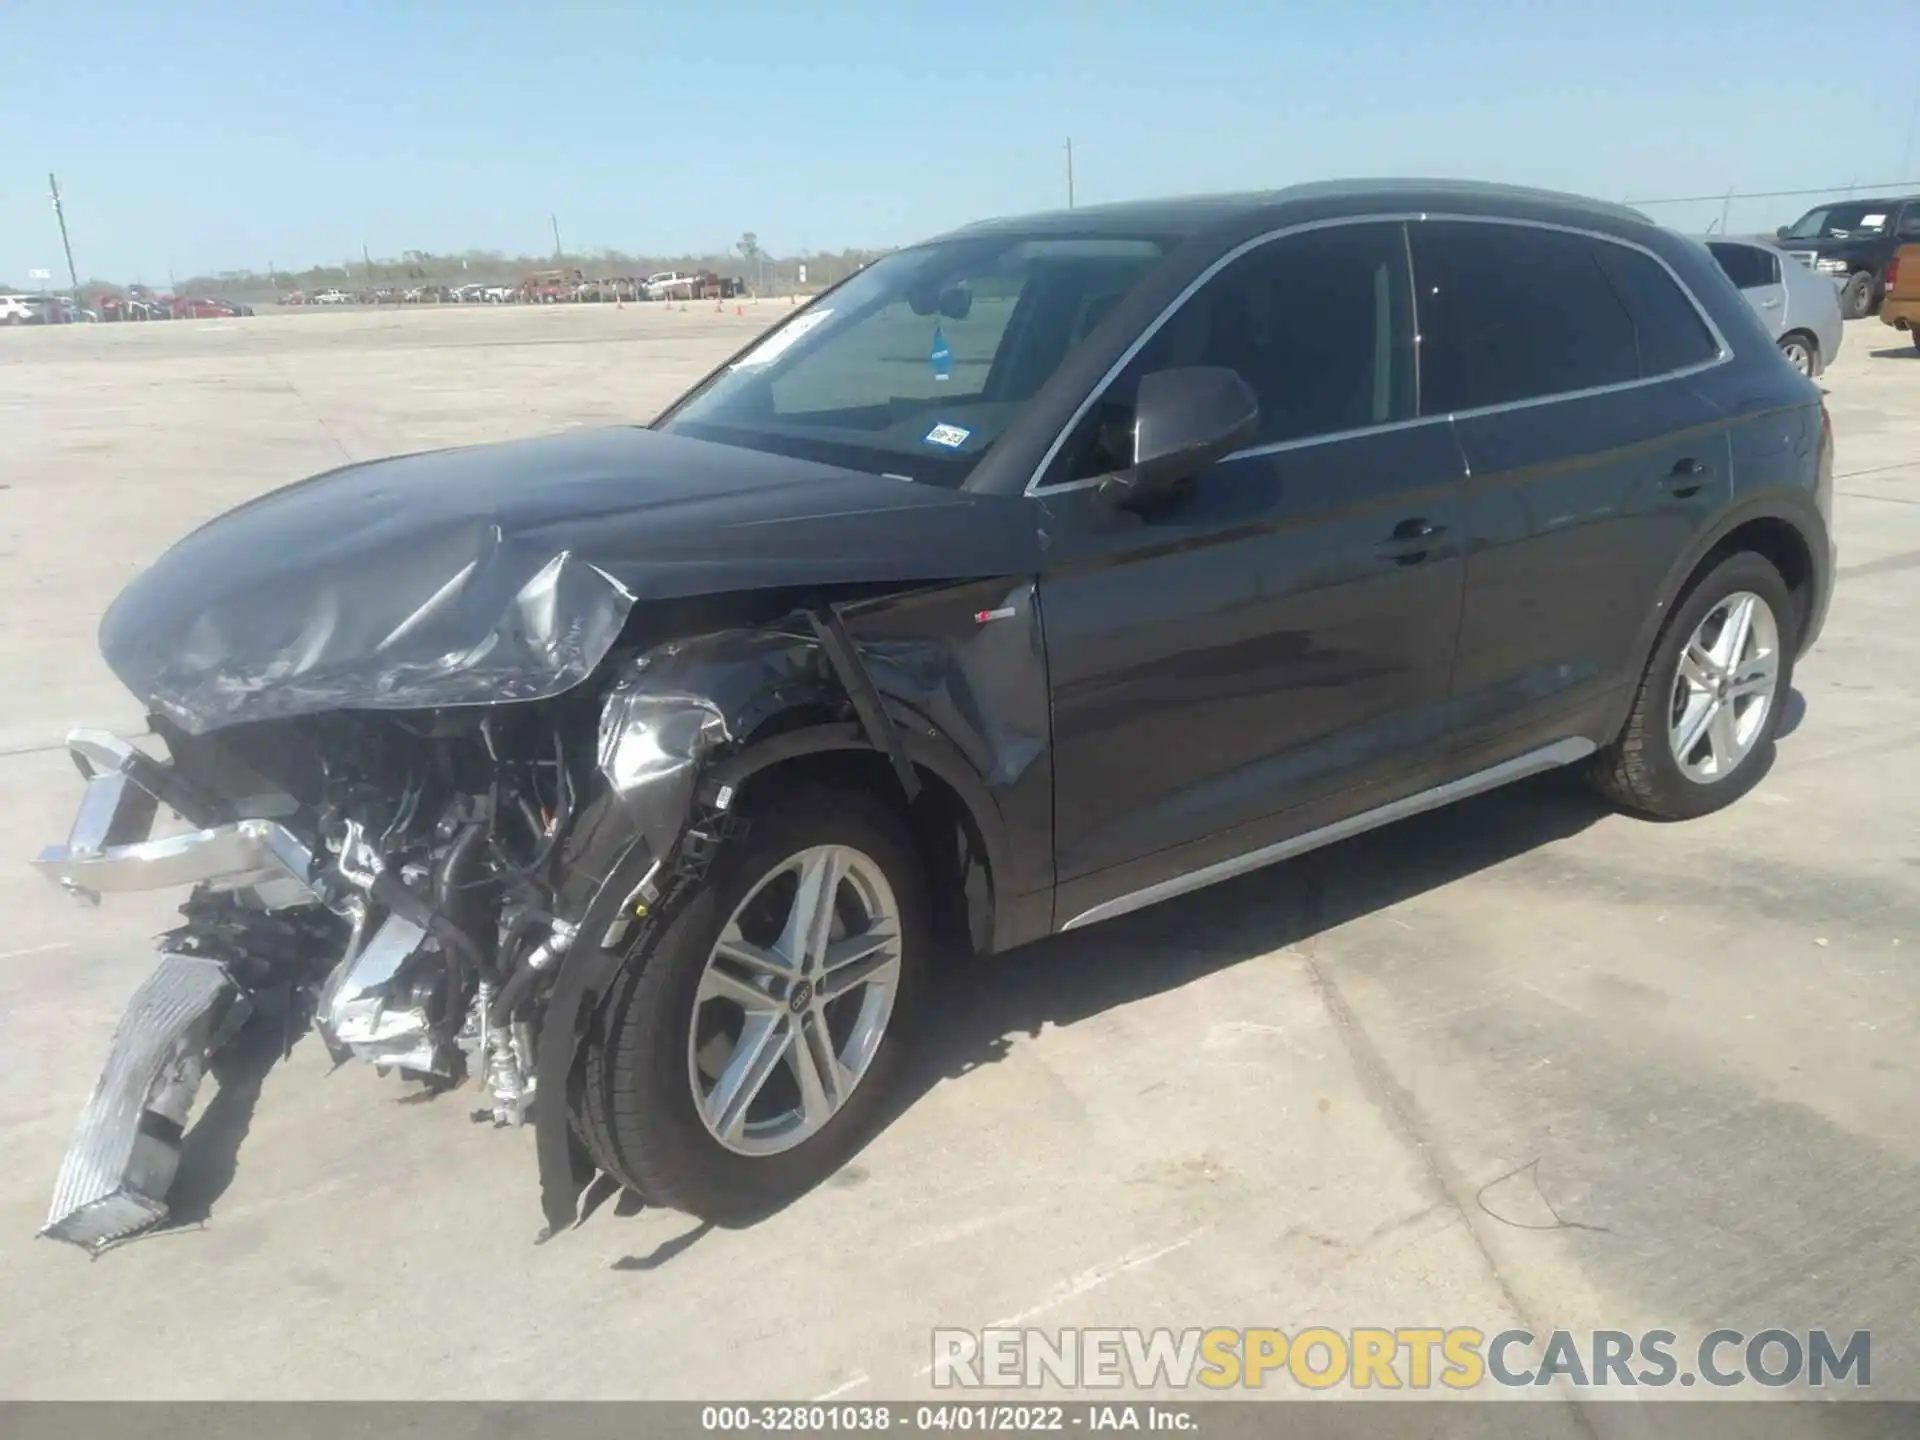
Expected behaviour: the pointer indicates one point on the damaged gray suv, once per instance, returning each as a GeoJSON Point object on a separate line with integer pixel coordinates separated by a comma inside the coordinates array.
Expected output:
{"type": "Point", "coordinates": [1030, 576]}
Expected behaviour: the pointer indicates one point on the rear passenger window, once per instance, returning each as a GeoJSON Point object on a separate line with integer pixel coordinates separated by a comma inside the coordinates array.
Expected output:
{"type": "Point", "coordinates": [1748, 266]}
{"type": "Point", "coordinates": [1514, 312]}
{"type": "Point", "coordinates": [1671, 334]}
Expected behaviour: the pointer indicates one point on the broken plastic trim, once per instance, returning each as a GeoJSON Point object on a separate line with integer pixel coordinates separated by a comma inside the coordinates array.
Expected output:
{"type": "Point", "coordinates": [685, 699]}
{"type": "Point", "coordinates": [866, 699]}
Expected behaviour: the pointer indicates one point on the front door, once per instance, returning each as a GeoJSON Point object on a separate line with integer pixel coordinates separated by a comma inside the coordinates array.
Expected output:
{"type": "Point", "coordinates": [1283, 632]}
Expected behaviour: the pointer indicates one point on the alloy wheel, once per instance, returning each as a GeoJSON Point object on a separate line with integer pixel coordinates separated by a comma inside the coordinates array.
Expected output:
{"type": "Point", "coordinates": [1799, 356]}
{"type": "Point", "coordinates": [794, 1000]}
{"type": "Point", "coordinates": [1724, 691]}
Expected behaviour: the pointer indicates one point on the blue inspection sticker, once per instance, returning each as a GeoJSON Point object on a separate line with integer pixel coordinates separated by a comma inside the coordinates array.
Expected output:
{"type": "Point", "coordinates": [951, 437]}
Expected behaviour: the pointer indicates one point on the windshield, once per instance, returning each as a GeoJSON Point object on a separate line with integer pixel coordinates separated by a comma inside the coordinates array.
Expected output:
{"type": "Point", "coordinates": [1842, 222]}
{"type": "Point", "coordinates": [917, 365]}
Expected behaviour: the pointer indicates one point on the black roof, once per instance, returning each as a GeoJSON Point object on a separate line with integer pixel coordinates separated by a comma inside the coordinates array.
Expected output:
{"type": "Point", "coordinates": [1184, 216]}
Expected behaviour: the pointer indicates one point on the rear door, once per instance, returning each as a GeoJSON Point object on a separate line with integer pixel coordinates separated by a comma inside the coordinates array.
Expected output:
{"type": "Point", "coordinates": [1283, 632]}
{"type": "Point", "coordinates": [1755, 271]}
{"type": "Point", "coordinates": [1593, 462]}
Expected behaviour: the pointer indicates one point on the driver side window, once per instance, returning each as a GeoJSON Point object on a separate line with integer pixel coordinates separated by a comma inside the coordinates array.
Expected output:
{"type": "Point", "coordinates": [1319, 324]}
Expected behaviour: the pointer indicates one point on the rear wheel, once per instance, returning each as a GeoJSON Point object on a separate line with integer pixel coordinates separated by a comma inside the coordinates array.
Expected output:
{"type": "Point", "coordinates": [1701, 729]}
{"type": "Point", "coordinates": [1800, 352]}
{"type": "Point", "coordinates": [748, 1054]}
{"type": "Point", "coordinates": [1856, 296]}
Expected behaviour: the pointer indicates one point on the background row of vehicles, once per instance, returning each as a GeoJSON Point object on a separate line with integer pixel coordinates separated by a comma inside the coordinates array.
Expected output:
{"type": "Point", "coordinates": [1852, 243]}
{"type": "Point", "coordinates": [1840, 261]}
{"type": "Point", "coordinates": [136, 303]}
{"type": "Point", "coordinates": [41, 310]}
{"type": "Point", "coordinates": [547, 287]}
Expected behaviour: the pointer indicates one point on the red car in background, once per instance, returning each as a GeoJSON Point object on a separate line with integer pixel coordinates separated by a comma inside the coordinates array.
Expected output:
{"type": "Point", "coordinates": [208, 307]}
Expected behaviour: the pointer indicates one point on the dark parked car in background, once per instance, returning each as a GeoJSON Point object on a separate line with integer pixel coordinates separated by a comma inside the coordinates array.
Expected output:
{"type": "Point", "coordinates": [1030, 576]}
{"type": "Point", "coordinates": [1851, 242]}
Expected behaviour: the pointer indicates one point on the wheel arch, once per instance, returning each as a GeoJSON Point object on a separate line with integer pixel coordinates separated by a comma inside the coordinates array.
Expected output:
{"type": "Point", "coordinates": [958, 827]}
{"type": "Point", "coordinates": [1785, 529]}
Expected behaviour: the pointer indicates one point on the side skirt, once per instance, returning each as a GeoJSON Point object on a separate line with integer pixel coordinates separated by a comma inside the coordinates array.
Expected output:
{"type": "Point", "coordinates": [1547, 757]}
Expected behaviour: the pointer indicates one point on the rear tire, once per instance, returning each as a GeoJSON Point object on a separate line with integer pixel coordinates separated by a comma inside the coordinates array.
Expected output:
{"type": "Point", "coordinates": [650, 1116]}
{"type": "Point", "coordinates": [1802, 353]}
{"type": "Point", "coordinates": [1662, 765]}
{"type": "Point", "coordinates": [1856, 296]}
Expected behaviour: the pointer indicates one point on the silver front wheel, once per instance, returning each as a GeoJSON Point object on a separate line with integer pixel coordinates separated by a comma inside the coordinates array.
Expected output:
{"type": "Point", "coordinates": [1724, 691]}
{"type": "Point", "coordinates": [794, 1000]}
{"type": "Point", "coordinates": [1799, 354]}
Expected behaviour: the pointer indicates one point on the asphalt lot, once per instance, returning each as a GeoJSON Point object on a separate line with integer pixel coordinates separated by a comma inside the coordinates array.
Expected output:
{"type": "Point", "coordinates": [1525, 1062]}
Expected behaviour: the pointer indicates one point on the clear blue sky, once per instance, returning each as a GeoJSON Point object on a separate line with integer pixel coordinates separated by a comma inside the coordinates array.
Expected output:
{"type": "Point", "coordinates": [196, 135]}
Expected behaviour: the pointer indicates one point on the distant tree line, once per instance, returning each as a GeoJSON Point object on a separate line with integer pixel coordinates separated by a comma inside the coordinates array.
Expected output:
{"type": "Point", "coordinates": [764, 273]}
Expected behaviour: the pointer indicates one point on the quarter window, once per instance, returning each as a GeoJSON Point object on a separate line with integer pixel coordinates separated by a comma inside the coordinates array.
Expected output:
{"type": "Point", "coordinates": [1667, 324]}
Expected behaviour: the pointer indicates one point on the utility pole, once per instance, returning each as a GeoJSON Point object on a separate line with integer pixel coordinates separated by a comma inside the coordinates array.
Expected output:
{"type": "Point", "coordinates": [60, 215]}
{"type": "Point", "coordinates": [367, 256]}
{"type": "Point", "coordinates": [1070, 172]}
{"type": "Point", "coordinates": [557, 251]}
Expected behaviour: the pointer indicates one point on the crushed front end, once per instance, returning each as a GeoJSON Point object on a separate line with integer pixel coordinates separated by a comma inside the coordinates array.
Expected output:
{"type": "Point", "coordinates": [385, 884]}
{"type": "Point", "coordinates": [446, 894]}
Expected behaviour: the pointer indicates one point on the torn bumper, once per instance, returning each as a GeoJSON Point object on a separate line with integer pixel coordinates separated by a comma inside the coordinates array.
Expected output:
{"type": "Point", "coordinates": [126, 1148]}
{"type": "Point", "coordinates": [111, 846]}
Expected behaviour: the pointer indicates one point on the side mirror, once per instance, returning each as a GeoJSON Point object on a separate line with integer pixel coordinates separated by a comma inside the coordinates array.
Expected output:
{"type": "Point", "coordinates": [1780, 232]}
{"type": "Point", "coordinates": [1183, 421]}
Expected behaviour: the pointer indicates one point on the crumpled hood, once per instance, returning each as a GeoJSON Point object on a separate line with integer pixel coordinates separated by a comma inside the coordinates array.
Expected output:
{"type": "Point", "coordinates": [505, 572]}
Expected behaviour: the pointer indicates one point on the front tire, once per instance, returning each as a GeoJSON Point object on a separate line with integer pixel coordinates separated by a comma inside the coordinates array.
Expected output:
{"type": "Point", "coordinates": [748, 1055]}
{"type": "Point", "coordinates": [1701, 730]}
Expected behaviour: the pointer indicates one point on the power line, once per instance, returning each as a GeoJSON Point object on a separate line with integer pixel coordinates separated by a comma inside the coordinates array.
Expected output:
{"type": "Point", "coordinates": [1775, 194]}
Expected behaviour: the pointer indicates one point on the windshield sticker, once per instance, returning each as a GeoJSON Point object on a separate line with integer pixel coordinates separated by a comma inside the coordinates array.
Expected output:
{"type": "Point", "coordinates": [782, 340]}
{"type": "Point", "coordinates": [942, 356]}
{"type": "Point", "coordinates": [951, 436]}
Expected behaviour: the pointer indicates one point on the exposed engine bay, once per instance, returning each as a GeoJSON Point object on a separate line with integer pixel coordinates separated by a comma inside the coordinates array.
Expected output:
{"type": "Point", "coordinates": [412, 883]}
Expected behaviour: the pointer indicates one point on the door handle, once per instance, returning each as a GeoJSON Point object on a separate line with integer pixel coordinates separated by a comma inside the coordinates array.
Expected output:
{"type": "Point", "coordinates": [1687, 478]}
{"type": "Point", "coordinates": [1410, 541]}
{"type": "Point", "coordinates": [1772, 302]}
